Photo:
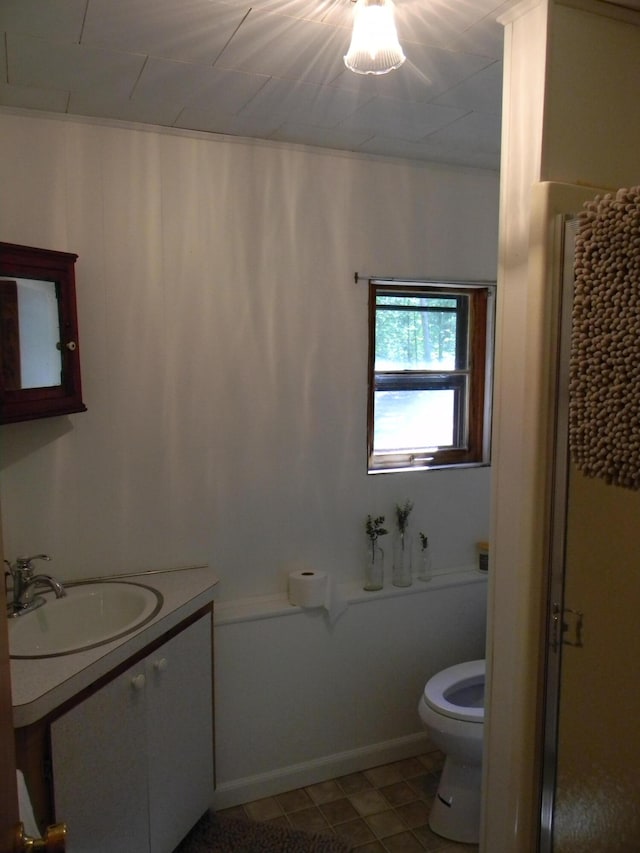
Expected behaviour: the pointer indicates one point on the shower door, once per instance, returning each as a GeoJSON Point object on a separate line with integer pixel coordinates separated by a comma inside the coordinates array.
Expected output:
{"type": "Point", "coordinates": [591, 786]}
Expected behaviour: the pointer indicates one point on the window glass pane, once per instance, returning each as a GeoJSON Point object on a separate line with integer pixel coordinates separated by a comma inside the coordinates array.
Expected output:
{"type": "Point", "coordinates": [417, 332]}
{"type": "Point", "coordinates": [413, 420]}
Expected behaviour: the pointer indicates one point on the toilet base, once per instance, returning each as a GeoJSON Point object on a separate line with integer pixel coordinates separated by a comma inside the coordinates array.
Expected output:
{"type": "Point", "coordinates": [456, 808]}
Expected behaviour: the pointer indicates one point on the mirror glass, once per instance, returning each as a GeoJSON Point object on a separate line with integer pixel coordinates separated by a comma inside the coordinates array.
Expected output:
{"type": "Point", "coordinates": [30, 352]}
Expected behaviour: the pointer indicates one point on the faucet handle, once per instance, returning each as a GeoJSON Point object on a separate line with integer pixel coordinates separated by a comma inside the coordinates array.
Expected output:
{"type": "Point", "coordinates": [23, 564]}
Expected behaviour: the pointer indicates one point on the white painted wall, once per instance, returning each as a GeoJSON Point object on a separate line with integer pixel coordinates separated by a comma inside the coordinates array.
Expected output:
{"type": "Point", "coordinates": [569, 117]}
{"type": "Point", "coordinates": [509, 745]}
{"type": "Point", "coordinates": [298, 702]}
{"type": "Point", "coordinates": [223, 345]}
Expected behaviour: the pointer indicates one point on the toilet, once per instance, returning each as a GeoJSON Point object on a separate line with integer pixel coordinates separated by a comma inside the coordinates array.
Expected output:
{"type": "Point", "coordinates": [452, 710]}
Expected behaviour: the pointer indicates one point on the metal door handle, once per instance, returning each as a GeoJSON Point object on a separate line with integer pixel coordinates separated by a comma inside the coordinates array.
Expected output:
{"type": "Point", "coordinates": [54, 840]}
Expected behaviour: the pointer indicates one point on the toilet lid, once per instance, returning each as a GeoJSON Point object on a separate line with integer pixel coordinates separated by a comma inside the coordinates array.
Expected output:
{"type": "Point", "coordinates": [458, 691]}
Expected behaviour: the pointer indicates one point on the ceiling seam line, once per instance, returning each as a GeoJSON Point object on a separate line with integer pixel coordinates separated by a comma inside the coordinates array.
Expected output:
{"type": "Point", "coordinates": [232, 36]}
{"type": "Point", "coordinates": [84, 21]}
{"type": "Point", "coordinates": [140, 73]}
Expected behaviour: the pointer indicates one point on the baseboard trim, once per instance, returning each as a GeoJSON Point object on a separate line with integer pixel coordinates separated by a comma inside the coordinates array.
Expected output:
{"type": "Point", "coordinates": [294, 776]}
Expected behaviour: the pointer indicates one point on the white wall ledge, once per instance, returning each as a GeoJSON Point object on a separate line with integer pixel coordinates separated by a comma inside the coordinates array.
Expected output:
{"type": "Point", "coordinates": [270, 606]}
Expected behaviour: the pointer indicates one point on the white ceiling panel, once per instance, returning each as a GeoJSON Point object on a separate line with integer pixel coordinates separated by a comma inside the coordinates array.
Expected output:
{"type": "Point", "coordinates": [26, 97]}
{"type": "Point", "coordinates": [270, 69]}
{"type": "Point", "coordinates": [226, 91]}
{"type": "Point", "coordinates": [481, 91]}
{"type": "Point", "coordinates": [389, 117]}
{"type": "Point", "coordinates": [484, 37]}
{"type": "Point", "coordinates": [175, 82]}
{"type": "Point", "coordinates": [109, 106]}
{"type": "Point", "coordinates": [335, 12]}
{"type": "Point", "coordinates": [407, 86]}
{"type": "Point", "coordinates": [304, 102]}
{"type": "Point", "coordinates": [57, 65]}
{"type": "Point", "coordinates": [439, 70]}
{"type": "Point", "coordinates": [286, 47]}
{"type": "Point", "coordinates": [476, 131]}
{"type": "Point", "coordinates": [329, 107]}
{"type": "Point", "coordinates": [439, 22]}
{"type": "Point", "coordinates": [60, 21]}
{"type": "Point", "coordinates": [427, 150]}
{"type": "Point", "coordinates": [334, 137]}
{"type": "Point", "coordinates": [191, 30]}
{"type": "Point", "coordinates": [213, 121]}
{"type": "Point", "coordinates": [281, 98]}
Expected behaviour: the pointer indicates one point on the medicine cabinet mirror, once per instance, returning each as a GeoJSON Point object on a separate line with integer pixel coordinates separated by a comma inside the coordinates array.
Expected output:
{"type": "Point", "coordinates": [39, 354]}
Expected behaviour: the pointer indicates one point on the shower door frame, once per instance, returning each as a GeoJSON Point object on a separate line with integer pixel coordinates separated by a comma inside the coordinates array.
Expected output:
{"type": "Point", "coordinates": [567, 227]}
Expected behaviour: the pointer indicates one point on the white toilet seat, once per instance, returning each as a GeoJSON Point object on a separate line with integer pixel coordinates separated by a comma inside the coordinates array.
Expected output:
{"type": "Point", "coordinates": [459, 681]}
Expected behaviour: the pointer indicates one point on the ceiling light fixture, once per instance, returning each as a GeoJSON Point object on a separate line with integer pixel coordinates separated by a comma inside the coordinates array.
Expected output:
{"type": "Point", "coordinates": [374, 48]}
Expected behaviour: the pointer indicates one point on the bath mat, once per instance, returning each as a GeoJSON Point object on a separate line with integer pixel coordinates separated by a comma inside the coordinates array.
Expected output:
{"type": "Point", "coordinates": [604, 369]}
{"type": "Point", "coordinates": [221, 834]}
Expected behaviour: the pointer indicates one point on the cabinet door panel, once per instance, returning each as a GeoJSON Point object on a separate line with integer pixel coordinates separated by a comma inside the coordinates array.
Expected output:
{"type": "Point", "coordinates": [100, 769]}
{"type": "Point", "coordinates": [180, 734]}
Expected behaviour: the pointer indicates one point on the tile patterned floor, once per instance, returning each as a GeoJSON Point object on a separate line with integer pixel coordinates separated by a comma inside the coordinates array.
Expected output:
{"type": "Point", "coordinates": [382, 810]}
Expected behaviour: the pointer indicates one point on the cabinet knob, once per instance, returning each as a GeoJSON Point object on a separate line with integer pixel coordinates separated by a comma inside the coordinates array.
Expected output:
{"type": "Point", "coordinates": [138, 681]}
{"type": "Point", "coordinates": [160, 665]}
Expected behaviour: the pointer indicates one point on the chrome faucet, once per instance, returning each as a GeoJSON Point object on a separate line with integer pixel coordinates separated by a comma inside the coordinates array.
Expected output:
{"type": "Point", "coordinates": [25, 583]}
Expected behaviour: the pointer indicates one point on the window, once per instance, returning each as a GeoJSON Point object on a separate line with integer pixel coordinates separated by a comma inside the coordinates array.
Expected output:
{"type": "Point", "coordinates": [430, 356]}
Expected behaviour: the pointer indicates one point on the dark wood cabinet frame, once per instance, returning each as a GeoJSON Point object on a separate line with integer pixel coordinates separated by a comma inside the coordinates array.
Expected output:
{"type": "Point", "coordinates": [22, 404]}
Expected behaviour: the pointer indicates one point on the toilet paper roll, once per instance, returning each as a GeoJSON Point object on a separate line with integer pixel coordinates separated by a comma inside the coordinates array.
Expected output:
{"type": "Point", "coordinates": [308, 588]}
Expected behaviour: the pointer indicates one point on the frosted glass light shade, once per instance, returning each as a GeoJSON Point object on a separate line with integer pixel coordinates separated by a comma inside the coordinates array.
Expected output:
{"type": "Point", "coordinates": [374, 47]}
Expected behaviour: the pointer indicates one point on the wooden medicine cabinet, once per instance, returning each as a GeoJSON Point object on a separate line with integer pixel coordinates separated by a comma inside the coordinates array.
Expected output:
{"type": "Point", "coordinates": [39, 353]}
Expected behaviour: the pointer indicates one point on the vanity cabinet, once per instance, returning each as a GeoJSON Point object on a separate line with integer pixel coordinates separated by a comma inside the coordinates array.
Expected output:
{"type": "Point", "coordinates": [132, 764]}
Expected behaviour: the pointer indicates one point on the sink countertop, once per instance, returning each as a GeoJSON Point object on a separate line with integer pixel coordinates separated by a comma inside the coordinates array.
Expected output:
{"type": "Point", "coordinates": [41, 684]}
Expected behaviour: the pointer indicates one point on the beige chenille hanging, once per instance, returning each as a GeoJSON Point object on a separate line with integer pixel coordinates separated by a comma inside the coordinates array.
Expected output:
{"type": "Point", "coordinates": [604, 387]}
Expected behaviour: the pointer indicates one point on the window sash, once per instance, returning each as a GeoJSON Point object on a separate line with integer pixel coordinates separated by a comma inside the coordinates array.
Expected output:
{"type": "Point", "coordinates": [427, 381]}
{"type": "Point", "coordinates": [470, 380]}
{"type": "Point", "coordinates": [460, 309]}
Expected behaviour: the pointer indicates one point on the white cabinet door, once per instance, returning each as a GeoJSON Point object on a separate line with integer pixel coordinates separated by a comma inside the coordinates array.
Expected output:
{"type": "Point", "coordinates": [133, 763]}
{"type": "Point", "coordinates": [179, 735]}
{"type": "Point", "coordinates": [100, 769]}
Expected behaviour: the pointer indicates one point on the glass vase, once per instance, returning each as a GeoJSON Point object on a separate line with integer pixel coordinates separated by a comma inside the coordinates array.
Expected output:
{"type": "Point", "coordinates": [402, 559]}
{"type": "Point", "coordinates": [374, 568]}
{"type": "Point", "coordinates": [425, 565]}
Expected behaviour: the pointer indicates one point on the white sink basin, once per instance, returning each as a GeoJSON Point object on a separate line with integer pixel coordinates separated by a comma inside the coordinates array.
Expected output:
{"type": "Point", "coordinates": [89, 615]}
